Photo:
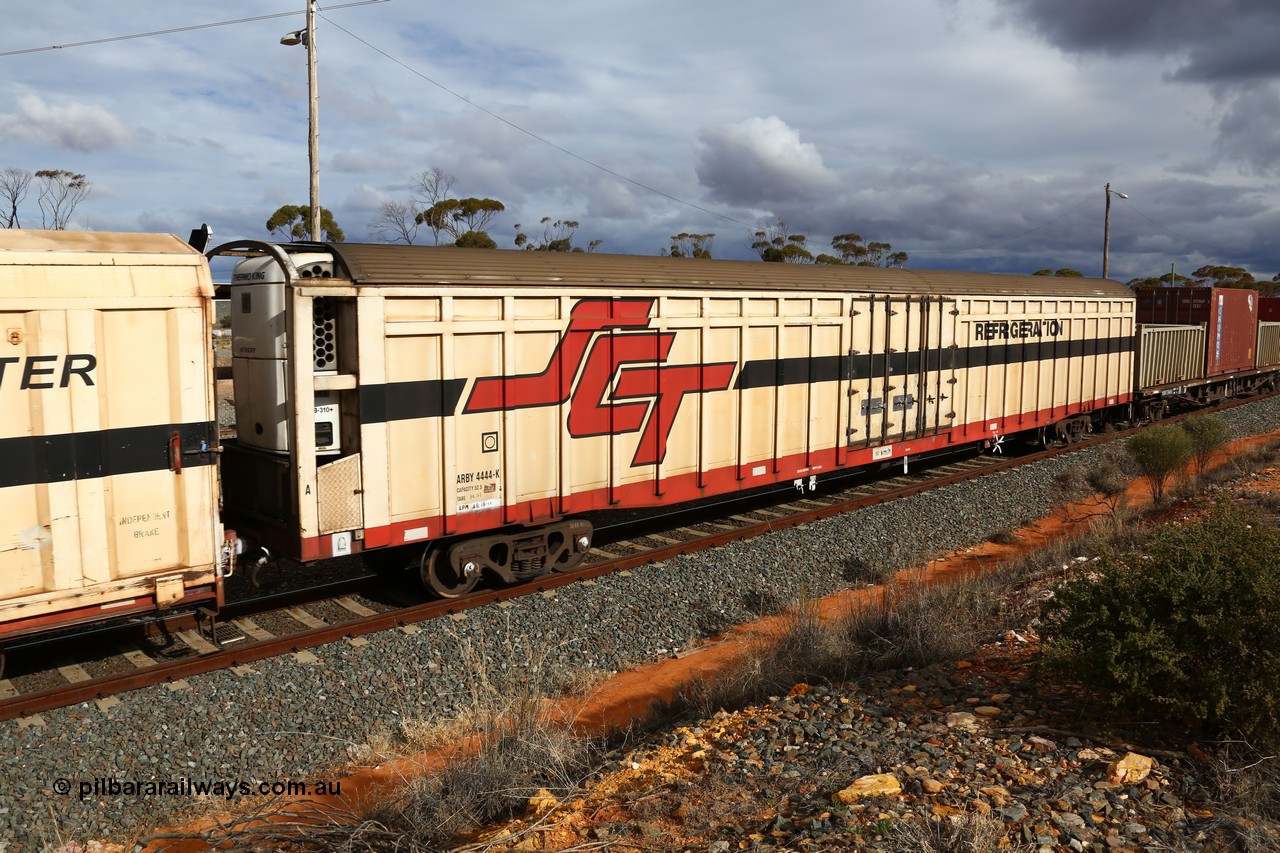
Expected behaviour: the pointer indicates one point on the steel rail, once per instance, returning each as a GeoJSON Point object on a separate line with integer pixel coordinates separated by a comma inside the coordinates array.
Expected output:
{"type": "Point", "coordinates": [171, 623]}
{"type": "Point", "coordinates": [243, 654]}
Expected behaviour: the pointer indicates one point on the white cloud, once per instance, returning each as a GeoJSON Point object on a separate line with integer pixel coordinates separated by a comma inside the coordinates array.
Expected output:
{"type": "Point", "coordinates": [973, 133]}
{"type": "Point", "coordinates": [760, 161]}
{"type": "Point", "coordinates": [71, 125]}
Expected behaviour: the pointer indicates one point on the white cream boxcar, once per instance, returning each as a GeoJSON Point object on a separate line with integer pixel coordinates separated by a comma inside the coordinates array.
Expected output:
{"type": "Point", "coordinates": [467, 402]}
{"type": "Point", "coordinates": [108, 505]}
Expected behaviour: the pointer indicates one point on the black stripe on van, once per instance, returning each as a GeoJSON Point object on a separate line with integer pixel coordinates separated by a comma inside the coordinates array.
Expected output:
{"type": "Point", "coordinates": [29, 460]}
{"type": "Point", "coordinates": [772, 372]}
{"type": "Point", "coordinates": [437, 398]}
{"type": "Point", "coordinates": [402, 401]}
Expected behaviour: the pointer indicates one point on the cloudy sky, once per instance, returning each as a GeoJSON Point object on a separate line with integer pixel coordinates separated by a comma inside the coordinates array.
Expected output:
{"type": "Point", "coordinates": [973, 134]}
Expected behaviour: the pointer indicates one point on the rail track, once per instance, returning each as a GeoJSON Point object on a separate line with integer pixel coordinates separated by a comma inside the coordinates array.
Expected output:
{"type": "Point", "coordinates": [54, 672]}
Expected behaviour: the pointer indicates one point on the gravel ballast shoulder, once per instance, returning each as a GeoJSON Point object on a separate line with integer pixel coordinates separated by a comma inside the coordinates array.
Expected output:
{"type": "Point", "coordinates": [284, 720]}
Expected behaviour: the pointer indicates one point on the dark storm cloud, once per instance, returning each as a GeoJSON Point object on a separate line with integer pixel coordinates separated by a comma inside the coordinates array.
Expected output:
{"type": "Point", "coordinates": [1217, 42]}
{"type": "Point", "coordinates": [956, 216]}
{"type": "Point", "coordinates": [1249, 132]}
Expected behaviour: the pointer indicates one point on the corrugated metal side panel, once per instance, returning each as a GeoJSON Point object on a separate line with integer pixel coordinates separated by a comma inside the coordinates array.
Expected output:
{"type": "Point", "coordinates": [389, 265]}
{"type": "Point", "coordinates": [1169, 354]}
{"type": "Point", "coordinates": [1268, 344]}
{"type": "Point", "coordinates": [1233, 331]}
{"type": "Point", "coordinates": [96, 389]}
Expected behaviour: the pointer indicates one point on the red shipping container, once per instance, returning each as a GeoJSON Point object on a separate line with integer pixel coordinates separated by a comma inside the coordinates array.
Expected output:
{"type": "Point", "coordinates": [1229, 315]}
{"type": "Point", "coordinates": [1269, 309]}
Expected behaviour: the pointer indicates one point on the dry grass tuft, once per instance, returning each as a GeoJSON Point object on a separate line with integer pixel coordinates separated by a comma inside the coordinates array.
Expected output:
{"type": "Point", "coordinates": [508, 743]}
{"type": "Point", "coordinates": [527, 750]}
{"type": "Point", "coordinates": [1246, 794]}
{"type": "Point", "coordinates": [913, 625]}
{"type": "Point", "coordinates": [1004, 537]}
{"type": "Point", "coordinates": [967, 833]}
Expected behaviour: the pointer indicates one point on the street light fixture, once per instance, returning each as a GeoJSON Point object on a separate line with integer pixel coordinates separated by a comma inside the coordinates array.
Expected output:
{"type": "Point", "coordinates": [1106, 226]}
{"type": "Point", "coordinates": [308, 37]}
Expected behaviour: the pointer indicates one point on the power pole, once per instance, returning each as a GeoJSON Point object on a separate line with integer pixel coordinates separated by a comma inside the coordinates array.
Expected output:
{"type": "Point", "coordinates": [1106, 226]}
{"type": "Point", "coordinates": [1106, 232]}
{"type": "Point", "coordinates": [313, 133]}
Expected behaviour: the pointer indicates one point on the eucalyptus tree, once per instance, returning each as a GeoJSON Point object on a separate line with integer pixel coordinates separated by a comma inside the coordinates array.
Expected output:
{"type": "Point", "coordinates": [60, 193]}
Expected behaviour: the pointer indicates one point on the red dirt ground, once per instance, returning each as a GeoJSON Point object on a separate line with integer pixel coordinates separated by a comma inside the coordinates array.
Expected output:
{"type": "Point", "coordinates": [629, 696]}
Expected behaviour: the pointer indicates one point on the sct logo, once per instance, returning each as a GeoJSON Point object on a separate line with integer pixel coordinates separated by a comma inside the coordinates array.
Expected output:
{"type": "Point", "coordinates": [44, 371]}
{"type": "Point", "coordinates": [614, 383]}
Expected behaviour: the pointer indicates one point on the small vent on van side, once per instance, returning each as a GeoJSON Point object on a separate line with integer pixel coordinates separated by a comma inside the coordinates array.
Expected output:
{"type": "Point", "coordinates": [323, 314]}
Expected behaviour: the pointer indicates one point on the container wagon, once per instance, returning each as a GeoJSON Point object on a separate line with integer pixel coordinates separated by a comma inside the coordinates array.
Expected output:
{"type": "Point", "coordinates": [1229, 316]}
{"type": "Point", "coordinates": [108, 491]}
{"type": "Point", "coordinates": [1228, 357]}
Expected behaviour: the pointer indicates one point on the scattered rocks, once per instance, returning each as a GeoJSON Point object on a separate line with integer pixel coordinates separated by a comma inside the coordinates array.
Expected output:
{"type": "Point", "coordinates": [1130, 769]}
{"type": "Point", "coordinates": [541, 803]}
{"type": "Point", "coordinates": [279, 721]}
{"type": "Point", "coordinates": [875, 785]}
{"type": "Point", "coordinates": [780, 773]}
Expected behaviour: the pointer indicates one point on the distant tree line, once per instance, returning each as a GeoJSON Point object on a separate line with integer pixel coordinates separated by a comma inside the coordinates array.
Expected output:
{"type": "Point", "coordinates": [1206, 276]}
{"type": "Point", "coordinates": [463, 221]}
{"type": "Point", "coordinates": [58, 194]}
{"type": "Point", "coordinates": [777, 244]}
{"type": "Point", "coordinates": [1212, 276]}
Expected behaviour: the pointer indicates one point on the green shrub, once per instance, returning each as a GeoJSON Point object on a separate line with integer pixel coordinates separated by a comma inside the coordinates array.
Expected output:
{"type": "Point", "coordinates": [1184, 631]}
{"type": "Point", "coordinates": [1158, 452]}
{"type": "Point", "coordinates": [1207, 434]}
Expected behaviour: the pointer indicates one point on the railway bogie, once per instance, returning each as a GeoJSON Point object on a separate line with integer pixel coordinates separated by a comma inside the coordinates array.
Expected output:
{"type": "Point", "coordinates": [453, 568]}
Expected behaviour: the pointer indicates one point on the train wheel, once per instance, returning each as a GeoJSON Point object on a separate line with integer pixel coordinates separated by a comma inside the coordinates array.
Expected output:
{"type": "Point", "coordinates": [446, 580]}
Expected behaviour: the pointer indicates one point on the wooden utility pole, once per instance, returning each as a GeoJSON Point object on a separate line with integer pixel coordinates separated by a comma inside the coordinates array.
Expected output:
{"type": "Point", "coordinates": [1106, 231]}
{"type": "Point", "coordinates": [313, 133]}
{"type": "Point", "coordinates": [1106, 226]}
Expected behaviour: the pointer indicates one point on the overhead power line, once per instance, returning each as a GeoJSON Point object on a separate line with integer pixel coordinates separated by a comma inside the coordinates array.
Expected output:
{"type": "Point", "coordinates": [606, 170]}
{"type": "Point", "coordinates": [1040, 227]}
{"type": "Point", "coordinates": [173, 30]}
{"type": "Point", "coordinates": [1191, 241]}
{"type": "Point", "coordinates": [541, 139]}
{"type": "Point", "coordinates": [193, 27]}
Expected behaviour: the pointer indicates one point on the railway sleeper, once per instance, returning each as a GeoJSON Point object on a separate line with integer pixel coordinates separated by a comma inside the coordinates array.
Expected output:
{"type": "Point", "coordinates": [454, 569]}
{"type": "Point", "coordinates": [219, 634]}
